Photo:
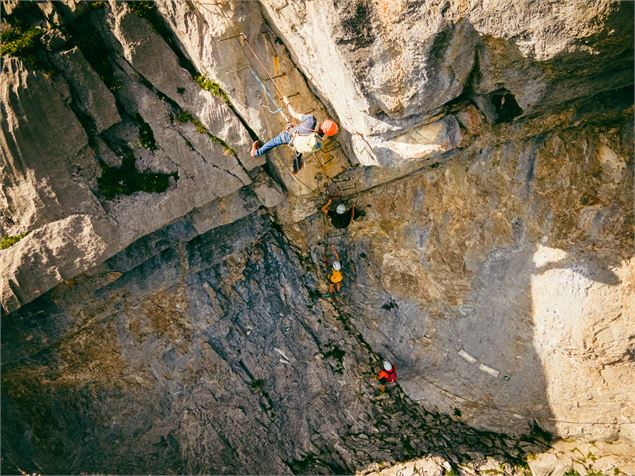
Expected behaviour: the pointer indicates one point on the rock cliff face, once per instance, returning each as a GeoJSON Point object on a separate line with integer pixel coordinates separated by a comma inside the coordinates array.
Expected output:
{"type": "Point", "coordinates": [168, 310]}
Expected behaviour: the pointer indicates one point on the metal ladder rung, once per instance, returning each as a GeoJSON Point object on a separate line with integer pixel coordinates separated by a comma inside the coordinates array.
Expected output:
{"type": "Point", "coordinates": [230, 37]}
{"type": "Point", "coordinates": [275, 77]}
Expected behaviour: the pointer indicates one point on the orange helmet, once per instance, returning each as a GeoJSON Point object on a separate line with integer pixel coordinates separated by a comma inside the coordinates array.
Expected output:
{"type": "Point", "coordinates": [329, 128]}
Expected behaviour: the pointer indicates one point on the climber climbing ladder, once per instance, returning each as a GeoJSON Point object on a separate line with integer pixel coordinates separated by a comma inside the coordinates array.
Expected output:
{"type": "Point", "coordinates": [272, 106]}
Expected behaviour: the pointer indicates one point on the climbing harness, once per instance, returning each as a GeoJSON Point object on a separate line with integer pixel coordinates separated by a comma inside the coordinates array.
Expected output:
{"type": "Point", "coordinates": [278, 110]}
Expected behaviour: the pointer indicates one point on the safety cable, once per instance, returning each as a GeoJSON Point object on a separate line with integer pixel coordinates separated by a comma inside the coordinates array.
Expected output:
{"type": "Point", "coordinates": [264, 87]}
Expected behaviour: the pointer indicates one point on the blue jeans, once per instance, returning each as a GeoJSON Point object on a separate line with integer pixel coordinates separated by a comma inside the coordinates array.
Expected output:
{"type": "Point", "coordinates": [283, 138]}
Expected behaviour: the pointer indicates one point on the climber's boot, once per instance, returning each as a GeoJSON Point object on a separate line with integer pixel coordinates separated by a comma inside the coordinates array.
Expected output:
{"type": "Point", "coordinates": [254, 149]}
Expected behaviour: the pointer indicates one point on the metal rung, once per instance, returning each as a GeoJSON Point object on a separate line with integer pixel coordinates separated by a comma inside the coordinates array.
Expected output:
{"type": "Point", "coordinates": [332, 158]}
{"type": "Point", "coordinates": [275, 77]}
{"type": "Point", "coordinates": [338, 146]}
{"type": "Point", "coordinates": [239, 69]}
{"type": "Point", "coordinates": [230, 37]}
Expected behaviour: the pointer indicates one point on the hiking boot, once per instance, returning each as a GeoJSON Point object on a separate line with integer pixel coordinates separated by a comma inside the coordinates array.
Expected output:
{"type": "Point", "coordinates": [254, 149]}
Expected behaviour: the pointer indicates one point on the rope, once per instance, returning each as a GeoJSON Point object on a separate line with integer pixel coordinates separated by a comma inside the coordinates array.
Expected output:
{"type": "Point", "coordinates": [244, 37]}
{"type": "Point", "coordinates": [264, 87]}
{"type": "Point", "coordinates": [235, 31]}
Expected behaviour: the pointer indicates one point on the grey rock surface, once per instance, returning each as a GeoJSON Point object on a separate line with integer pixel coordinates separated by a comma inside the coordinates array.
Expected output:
{"type": "Point", "coordinates": [62, 130]}
{"type": "Point", "coordinates": [213, 335]}
{"type": "Point", "coordinates": [168, 309]}
{"type": "Point", "coordinates": [388, 67]}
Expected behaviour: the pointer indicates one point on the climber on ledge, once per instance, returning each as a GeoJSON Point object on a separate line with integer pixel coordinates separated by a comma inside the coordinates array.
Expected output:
{"type": "Point", "coordinates": [341, 217]}
{"type": "Point", "coordinates": [387, 376]}
{"type": "Point", "coordinates": [304, 138]}
{"type": "Point", "coordinates": [335, 277]}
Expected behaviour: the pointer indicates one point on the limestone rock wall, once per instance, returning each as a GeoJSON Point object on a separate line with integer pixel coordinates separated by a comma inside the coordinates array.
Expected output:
{"type": "Point", "coordinates": [388, 68]}
{"type": "Point", "coordinates": [111, 78]}
{"type": "Point", "coordinates": [520, 256]}
{"type": "Point", "coordinates": [200, 356]}
{"type": "Point", "coordinates": [168, 308]}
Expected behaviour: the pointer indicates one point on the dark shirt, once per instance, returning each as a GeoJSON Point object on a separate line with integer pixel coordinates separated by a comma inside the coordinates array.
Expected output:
{"type": "Point", "coordinates": [308, 125]}
{"type": "Point", "coordinates": [343, 220]}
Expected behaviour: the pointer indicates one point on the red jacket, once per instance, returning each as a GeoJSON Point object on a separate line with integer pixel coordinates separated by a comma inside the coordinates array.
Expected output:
{"type": "Point", "coordinates": [389, 377]}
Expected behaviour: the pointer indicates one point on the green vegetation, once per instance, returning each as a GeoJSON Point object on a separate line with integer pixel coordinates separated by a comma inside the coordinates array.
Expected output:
{"type": "Point", "coordinates": [142, 8]}
{"type": "Point", "coordinates": [213, 87]}
{"type": "Point", "coordinates": [8, 240]}
{"type": "Point", "coordinates": [457, 412]}
{"type": "Point", "coordinates": [572, 472]}
{"type": "Point", "coordinates": [20, 43]}
{"type": "Point", "coordinates": [96, 4]}
{"type": "Point", "coordinates": [200, 128]}
{"type": "Point", "coordinates": [126, 180]}
{"type": "Point", "coordinates": [180, 90]}
{"type": "Point", "coordinates": [185, 116]}
{"type": "Point", "coordinates": [591, 471]}
{"type": "Point", "coordinates": [146, 137]}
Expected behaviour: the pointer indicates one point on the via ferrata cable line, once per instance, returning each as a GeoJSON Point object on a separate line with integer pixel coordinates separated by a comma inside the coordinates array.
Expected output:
{"type": "Point", "coordinates": [264, 87]}
{"type": "Point", "coordinates": [236, 34]}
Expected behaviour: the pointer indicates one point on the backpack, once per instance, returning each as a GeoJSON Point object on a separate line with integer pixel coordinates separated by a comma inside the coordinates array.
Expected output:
{"type": "Point", "coordinates": [306, 144]}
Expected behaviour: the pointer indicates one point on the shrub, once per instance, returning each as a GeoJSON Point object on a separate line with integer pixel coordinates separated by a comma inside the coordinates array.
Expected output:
{"type": "Point", "coordinates": [141, 8]}
{"type": "Point", "coordinates": [8, 240]}
{"type": "Point", "coordinates": [20, 43]}
{"type": "Point", "coordinates": [212, 86]}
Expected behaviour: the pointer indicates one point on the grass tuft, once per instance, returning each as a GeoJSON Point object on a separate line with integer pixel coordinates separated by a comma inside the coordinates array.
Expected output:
{"type": "Point", "coordinates": [20, 43]}
{"type": "Point", "coordinates": [213, 87]}
{"type": "Point", "coordinates": [185, 116]}
{"type": "Point", "coordinates": [8, 240]}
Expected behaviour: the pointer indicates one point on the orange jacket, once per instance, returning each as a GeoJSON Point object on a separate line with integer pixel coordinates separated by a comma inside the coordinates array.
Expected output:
{"type": "Point", "coordinates": [389, 377]}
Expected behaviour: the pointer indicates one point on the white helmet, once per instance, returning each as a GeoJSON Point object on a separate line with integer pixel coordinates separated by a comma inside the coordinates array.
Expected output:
{"type": "Point", "coordinates": [337, 266]}
{"type": "Point", "coordinates": [341, 208]}
{"type": "Point", "coordinates": [387, 366]}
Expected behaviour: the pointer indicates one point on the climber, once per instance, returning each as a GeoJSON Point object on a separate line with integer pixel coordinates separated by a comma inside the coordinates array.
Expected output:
{"type": "Point", "coordinates": [335, 277]}
{"type": "Point", "coordinates": [304, 138]}
{"type": "Point", "coordinates": [341, 217]}
{"type": "Point", "coordinates": [387, 376]}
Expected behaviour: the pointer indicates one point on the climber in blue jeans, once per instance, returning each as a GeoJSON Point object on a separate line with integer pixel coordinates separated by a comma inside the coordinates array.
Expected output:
{"type": "Point", "coordinates": [308, 125]}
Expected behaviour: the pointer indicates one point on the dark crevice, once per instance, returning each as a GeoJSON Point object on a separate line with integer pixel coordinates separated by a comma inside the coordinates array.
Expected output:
{"type": "Point", "coordinates": [505, 106]}
{"type": "Point", "coordinates": [127, 179]}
